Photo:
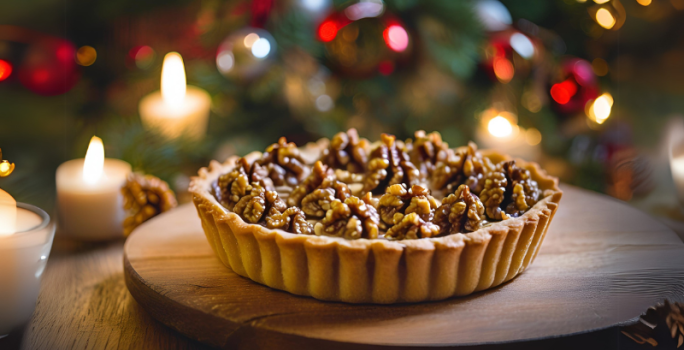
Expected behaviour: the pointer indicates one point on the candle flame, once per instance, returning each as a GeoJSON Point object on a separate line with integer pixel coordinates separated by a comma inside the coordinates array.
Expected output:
{"type": "Point", "coordinates": [173, 79]}
{"type": "Point", "coordinates": [93, 166]}
{"type": "Point", "coordinates": [500, 127]}
{"type": "Point", "coordinates": [8, 214]}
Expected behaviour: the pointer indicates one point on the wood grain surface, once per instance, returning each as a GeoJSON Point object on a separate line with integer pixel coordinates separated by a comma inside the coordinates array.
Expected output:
{"type": "Point", "coordinates": [603, 263]}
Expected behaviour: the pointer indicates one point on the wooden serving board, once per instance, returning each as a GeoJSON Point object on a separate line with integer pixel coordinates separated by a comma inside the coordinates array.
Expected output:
{"type": "Point", "coordinates": [603, 263]}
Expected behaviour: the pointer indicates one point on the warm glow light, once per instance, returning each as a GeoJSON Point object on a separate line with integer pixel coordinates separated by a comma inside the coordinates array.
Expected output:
{"type": "Point", "coordinates": [601, 108]}
{"type": "Point", "coordinates": [225, 61]}
{"type": "Point", "coordinates": [563, 92]}
{"type": "Point", "coordinates": [500, 127]}
{"type": "Point", "coordinates": [644, 2]}
{"type": "Point", "coordinates": [86, 56]}
{"type": "Point", "coordinates": [250, 39]}
{"type": "Point", "coordinates": [93, 165]}
{"type": "Point", "coordinates": [503, 69]}
{"type": "Point", "coordinates": [173, 79]}
{"type": "Point", "coordinates": [327, 31]}
{"type": "Point", "coordinates": [396, 38]}
{"type": "Point", "coordinates": [8, 214]}
{"type": "Point", "coordinates": [5, 70]}
{"type": "Point", "coordinates": [600, 2]}
{"type": "Point", "coordinates": [604, 18]}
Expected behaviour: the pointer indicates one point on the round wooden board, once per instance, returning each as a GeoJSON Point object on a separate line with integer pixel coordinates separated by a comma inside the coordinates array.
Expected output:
{"type": "Point", "coordinates": [602, 263]}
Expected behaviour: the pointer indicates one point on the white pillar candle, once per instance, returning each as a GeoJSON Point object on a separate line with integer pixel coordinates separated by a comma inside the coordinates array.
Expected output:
{"type": "Point", "coordinates": [25, 241]}
{"type": "Point", "coordinates": [677, 169]}
{"type": "Point", "coordinates": [177, 109]}
{"type": "Point", "coordinates": [89, 198]}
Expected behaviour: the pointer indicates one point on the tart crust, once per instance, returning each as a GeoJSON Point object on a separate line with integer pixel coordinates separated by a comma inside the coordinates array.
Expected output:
{"type": "Point", "coordinates": [376, 270]}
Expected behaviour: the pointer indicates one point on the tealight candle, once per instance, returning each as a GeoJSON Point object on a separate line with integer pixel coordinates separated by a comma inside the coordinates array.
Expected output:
{"type": "Point", "coordinates": [25, 241]}
{"type": "Point", "coordinates": [177, 109]}
{"type": "Point", "coordinates": [500, 132]}
{"type": "Point", "coordinates": [89, 196]}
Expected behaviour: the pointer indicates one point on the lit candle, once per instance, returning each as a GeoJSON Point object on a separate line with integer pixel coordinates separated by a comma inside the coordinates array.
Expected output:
{"type": "Point", "coordinates": [89, 195]}
{"type": "Point", "coordinates": [177, 109]}
{"type": "Point", "coordinates": [25, 242]}
{"type": "Point", "coordinates": [499, 131]}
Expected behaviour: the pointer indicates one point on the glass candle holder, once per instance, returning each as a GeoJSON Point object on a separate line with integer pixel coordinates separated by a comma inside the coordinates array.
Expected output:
{"type": "Point", "coordinates": [23, 256]}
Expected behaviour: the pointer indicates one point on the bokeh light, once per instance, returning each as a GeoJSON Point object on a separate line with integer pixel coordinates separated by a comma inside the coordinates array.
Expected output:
{"type": "Point", "coordinates": [5, 70]}
{"type": "Point", "coordinates": [250, 39]}
{"type": "Point", "coordinates": [86, 56]}
{"type": "Point", "coordinates": [533, 136]}
{"type": "Point", "coordinates": [601, 2]}
{"type": "Point", "coordinates": [225, 61]}
{"type": "Point", "coordinates": [563, 92]}
{"type": "Point", "coordinates": [143, 56]}
{"type": "Point", "coordinates": [522, 45]}
{"type": "Point", "coordinates": [604, 18]}
{"type": "Point", "coordinates": [396, 37]}
{"type": "Point", "coordinates": [327, 31]}
{"type": "Point", "coordinates": [324, 103]}
{"type": "Point", "coordinates": [644, 2]}
{"type": "Point", "coordinates": [500, 127]}
{"type": "Point", "coordinates": [261, 48]}
{"type": "Point", "coordinates": [503, 69]}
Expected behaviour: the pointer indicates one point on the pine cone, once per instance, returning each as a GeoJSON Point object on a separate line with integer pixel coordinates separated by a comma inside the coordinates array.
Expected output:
{"type": "Point", "coordinates": [352, 219]}
{"type": "Point", "coordinates": [145, 196]}
{"type": "Point", "coordinates": [426, 150]}
{"type": "Point", "coordinates": [399, 201]}
{"type": "Point", "coordinates": [284, 163]}
{"type": "Point", "coordinates": [461, 211]}
{"type": "Point", "coordinates": [347, 151]}
{"type": "Point", "coordinates": [388, 166]}
{"type": "Point", "coordinates": [466, 166]}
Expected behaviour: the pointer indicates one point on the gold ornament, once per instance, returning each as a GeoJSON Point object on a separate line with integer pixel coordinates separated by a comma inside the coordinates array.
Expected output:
{"type": "Point", "coordinates": [6, 167]}
{"type": "Point", "coordinates": [145, 196]}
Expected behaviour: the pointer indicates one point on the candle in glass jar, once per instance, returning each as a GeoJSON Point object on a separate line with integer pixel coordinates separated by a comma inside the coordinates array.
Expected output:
{"type": "Point", "coordinates": [177, 109]}
{"type": "Point", "coordinates": [89, 196]}
{"type": "Point", "coordinates": [25, 241]}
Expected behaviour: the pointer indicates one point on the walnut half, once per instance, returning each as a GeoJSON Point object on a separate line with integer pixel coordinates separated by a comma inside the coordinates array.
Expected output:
{"type": "Point", "coordinates": [461, 211]}
{"type": "Point", "coordinates": [352, 219]}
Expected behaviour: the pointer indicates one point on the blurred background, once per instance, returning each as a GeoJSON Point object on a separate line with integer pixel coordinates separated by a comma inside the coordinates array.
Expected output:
{"type": "Point", "coordinates": [592, 89]}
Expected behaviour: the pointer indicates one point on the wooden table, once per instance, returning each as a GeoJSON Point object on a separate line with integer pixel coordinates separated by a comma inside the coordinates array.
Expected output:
{"type": "Point", "coordinates": [84, 304]}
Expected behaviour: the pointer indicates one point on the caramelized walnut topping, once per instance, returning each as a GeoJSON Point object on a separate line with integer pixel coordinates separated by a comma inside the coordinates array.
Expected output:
{"type": "Point", "coordinates": [412, 226]}
{"type": "Point", "coordinates": [389, 165]}
{"type": "Point", "coordinates": [284, 163]}
{"type": "Point", "coordinates": [523, 191]}
{"type": "Point", "coordinates": [399, 201]}
{"type": "Point", "coordinates": [426, 150]}
{"type": "Point", "coordinates": [313, 181]}
{"type": "Point", "coordinates": [291, 220]}
{"type": "Point", "coordinates": [347, 151]}
{"type": "Point", "coordinates": [252, 206]}
{"type": "Point", "coordinates": [461, 211]}
{"type": "Point", "coordinates": [231, 187]}
{"type": "Point", "coordinates": [494, 193]}
{"type": "Point", "coordinates": [465, 166]}
{"type": "Point", "coordinates": [352, 219]}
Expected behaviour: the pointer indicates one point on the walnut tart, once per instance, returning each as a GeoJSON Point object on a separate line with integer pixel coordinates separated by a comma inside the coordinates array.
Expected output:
{"type": "Point", "coordinates": [381, 222]}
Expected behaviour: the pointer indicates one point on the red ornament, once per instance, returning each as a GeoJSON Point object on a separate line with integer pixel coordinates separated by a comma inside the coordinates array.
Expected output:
{"type": "Point", "coordinates": [577, 86]}
{"type": "Point", "coordinates": [362, 39]}
{"type": "Point", "coordinates": [49, 67]}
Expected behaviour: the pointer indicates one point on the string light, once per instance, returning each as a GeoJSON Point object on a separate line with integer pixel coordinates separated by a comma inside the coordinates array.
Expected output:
{"type": "Point", "coordinates": [599, 110]}
{"type": "Point", "coordinates": [601, 2]}
{"type": "Point", "coordinates": [503, 69]}
{"type": "Point", "coordinates": [396, 37]}
{"type": "Point", "coordinates": [500, 127]}
{"type": "Point", "coordinates": [563, 92]}
{"type": "Point", "coordinates": [327, 31]}
{"type": "Point", "coordinates": [644, 2]}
